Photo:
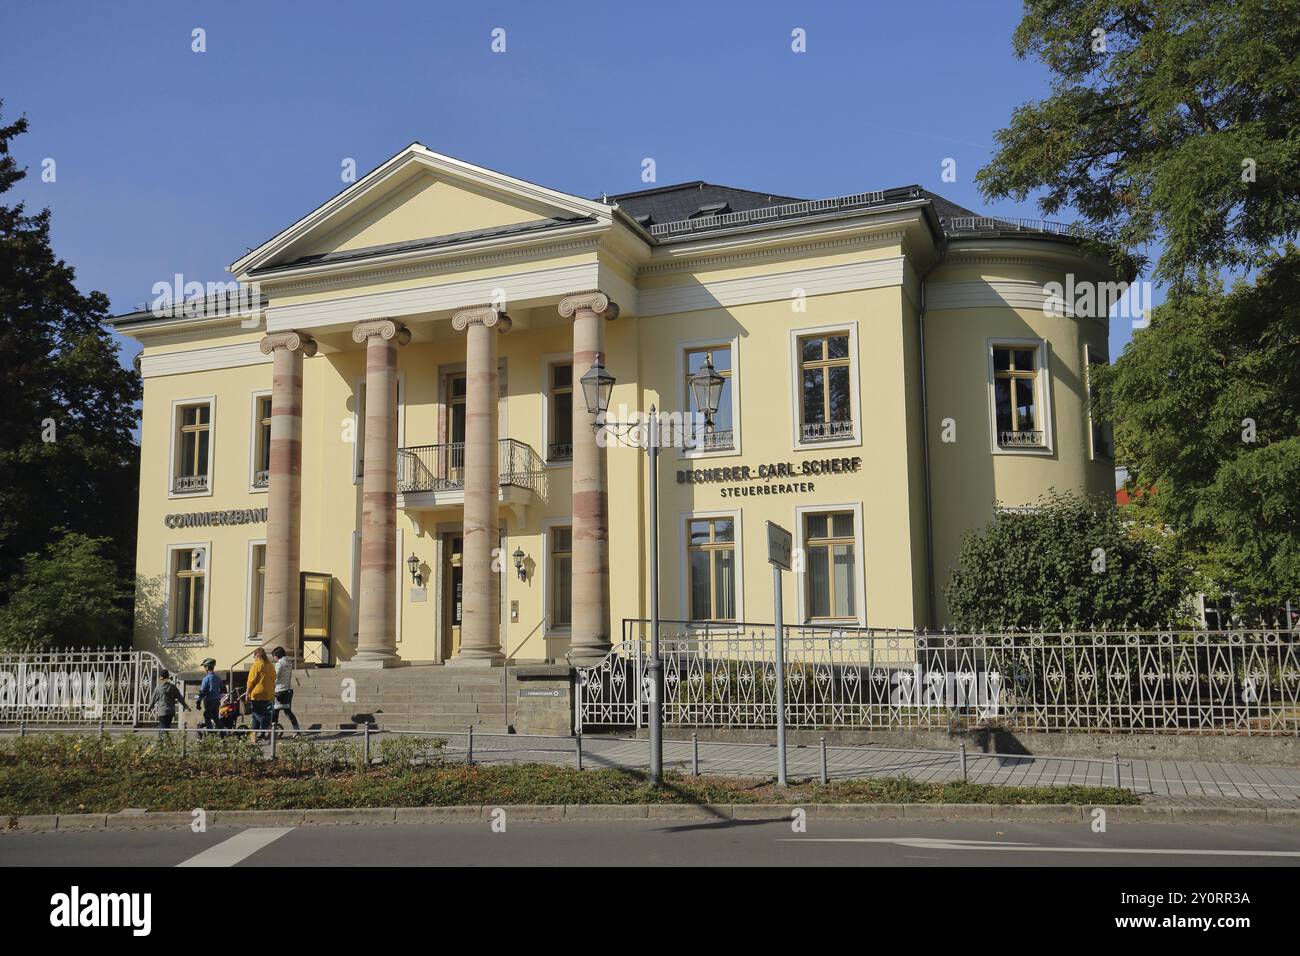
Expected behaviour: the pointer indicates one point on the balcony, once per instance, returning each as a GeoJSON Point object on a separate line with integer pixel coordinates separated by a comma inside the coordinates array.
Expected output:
{"type": "Point", "coordinates": [711, 440]}
{"type": "Point", "coordinates": [189, 484]}
{"type": "Point", "coordinates": [432, 477]}
{"type": "Point", "coordinates": [813, 432]}
{"type": "Point", "coordinates": [261, 479]}
{"type": "Point", "coordinates": [1020, 439]}
{"type": "Point", "coordinates": [559, 451]}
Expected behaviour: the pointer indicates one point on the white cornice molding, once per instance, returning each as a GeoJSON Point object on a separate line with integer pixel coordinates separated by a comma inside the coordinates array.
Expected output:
{"type": "Point", "coordinates": [520, 289]}
{"type": "Point", "coordinates": [774, 286]}
{"type": "Point", "coordinates": [765, 253]}
{"type": "Point", "coordinates": [203, 360]}
{"type": "Point", "coordinates": [994, 293]}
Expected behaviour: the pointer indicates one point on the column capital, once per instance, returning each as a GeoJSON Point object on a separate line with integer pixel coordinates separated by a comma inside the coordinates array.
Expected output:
{"type": "Point", "coordinates": [385, 329]}
{"type": "Point", "coordinates": [593, 301]}
{"type": "Point", "coordinates": [484, 315]}
{"type": "Point", "coordinates": [289, 341]}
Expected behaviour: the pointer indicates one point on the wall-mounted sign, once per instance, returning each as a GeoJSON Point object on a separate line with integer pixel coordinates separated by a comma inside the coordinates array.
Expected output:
{"type": "Point", "coordinates": [766, 479]}
{"type": "Point", "coordinates": [203, 519]}
{"type": "Point", "coordinates": [780, 546]}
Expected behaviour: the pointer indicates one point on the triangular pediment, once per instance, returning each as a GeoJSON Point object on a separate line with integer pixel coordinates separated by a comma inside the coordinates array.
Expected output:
{"type": "Point", "coordinates": [418, 196]}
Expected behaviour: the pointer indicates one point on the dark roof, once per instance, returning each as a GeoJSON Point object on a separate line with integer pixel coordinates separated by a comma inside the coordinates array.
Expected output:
{"type": "Point", "coordinates": [538, 225]}
{"type": "Point", "coordinates": [946, 209]}
{"type": "Point", "coordinates": [675, 203]}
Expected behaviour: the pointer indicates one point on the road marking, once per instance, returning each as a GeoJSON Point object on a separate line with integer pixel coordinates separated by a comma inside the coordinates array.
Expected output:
{"type": "Point", "coordinates": [926, 843]}
{"type": "Point", "coordinates": [239, 847]}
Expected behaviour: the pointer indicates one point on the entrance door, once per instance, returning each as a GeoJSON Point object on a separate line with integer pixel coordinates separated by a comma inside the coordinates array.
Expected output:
{"type": "Point", "coordinates": [455, 461]}
{"type": "Point", "coordinates": [452, 598]}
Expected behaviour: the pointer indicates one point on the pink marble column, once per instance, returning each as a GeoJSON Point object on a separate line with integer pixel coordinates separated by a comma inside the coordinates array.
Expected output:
{"type": "Point", "coordinates": [590, 630]}
{"type": "Point", "coordinates": [377, 600]}
{"type": "Point", "coordinates": [284, 488]}
{"type": "Point", "coordinates": [480, 627]}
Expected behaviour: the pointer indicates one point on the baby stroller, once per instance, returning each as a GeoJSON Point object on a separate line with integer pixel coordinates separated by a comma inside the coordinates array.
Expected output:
{"type": "Point", "coordinates": [228, 711]}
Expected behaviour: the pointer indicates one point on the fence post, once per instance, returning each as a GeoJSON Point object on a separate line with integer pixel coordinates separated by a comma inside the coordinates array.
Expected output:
{"type": "Point", "coordinates": [695, 754]}
{"type": "Point", "coordinates": [273, 740]}
{"type": "Point", "coordinates": [101, 727]}
{"type": "Point", "coordinates": [184, 735]}
{"type": "Point", "coordinates": [825, 777]}
{"type": "Point", "coordinates": [22, 728]}
{"type": "Point", "coordinates": [1116, 769]}
{"type": "Point", "coordinates": [469, 744]}
{"type": "Point", "coordinates": [577, 740]}
{"type": "Point", "coordinates": [365, 743]}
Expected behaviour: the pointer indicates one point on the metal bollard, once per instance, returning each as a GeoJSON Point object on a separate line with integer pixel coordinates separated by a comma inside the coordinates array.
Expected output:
{"type": "Point", "coordinates": [578, 745]}
{"type": "Point", "coordinates": [365, 743]}
{"type": "Point", "coordinates": [825, 775]}
{"type": "Point", "coordinates": [695, 755]}
{"type": "Point", "coordinates": [963, 761]}
{"type": "Point", "coordinates": [469, 745]}
{"type": "Point", "coordinates": [1116, 768]}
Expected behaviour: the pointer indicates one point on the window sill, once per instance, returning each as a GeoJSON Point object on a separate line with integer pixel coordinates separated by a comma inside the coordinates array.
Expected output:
{"type": "Point", "coordinates": [189, 640]}
{"type": "Point", "coordinates": [695, 454]}
{"type": "Point", "coordinates": [190, 494]}
{"type": "Point", "coordinates": [854, 442]}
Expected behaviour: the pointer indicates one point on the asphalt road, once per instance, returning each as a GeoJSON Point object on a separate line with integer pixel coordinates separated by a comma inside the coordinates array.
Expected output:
{"type": "Point", "coordinates": [664, 843]}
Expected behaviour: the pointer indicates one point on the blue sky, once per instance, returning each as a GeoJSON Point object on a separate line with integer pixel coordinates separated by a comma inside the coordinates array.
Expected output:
{"type": "Point", "coordinates": [174, 161]}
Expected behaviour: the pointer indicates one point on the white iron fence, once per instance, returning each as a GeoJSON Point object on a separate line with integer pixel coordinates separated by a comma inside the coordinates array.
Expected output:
{"type": "Point", "coordinates": [67, 687]}
{"type": "Point", "coordinates": [1201, 682]}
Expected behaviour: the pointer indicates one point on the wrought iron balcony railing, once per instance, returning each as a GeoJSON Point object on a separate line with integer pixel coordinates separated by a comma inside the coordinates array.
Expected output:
{"type": "Point", "coordinates": [825, 431]}
{"type": "Point", "coordinates": [717, 440]}
{"type": "Point", "coordinates": [442, 467]}
{"type": "Point", "coordinates": [1021, 439]}
{"type": "Point", "coordinates": [559, 451]}
{"type": "Point", "coordinates": [261, 479]}
{"type": "Point", "coordinates": [186, 484]}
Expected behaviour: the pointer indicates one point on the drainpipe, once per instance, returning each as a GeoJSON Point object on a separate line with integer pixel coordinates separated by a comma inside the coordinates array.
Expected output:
{"type": "Point", "coordinates": [931, 600]}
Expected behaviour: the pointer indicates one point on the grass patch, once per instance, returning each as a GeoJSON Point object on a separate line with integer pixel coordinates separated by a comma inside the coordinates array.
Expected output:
{"type": "Point", "coordinates": [67, 773]}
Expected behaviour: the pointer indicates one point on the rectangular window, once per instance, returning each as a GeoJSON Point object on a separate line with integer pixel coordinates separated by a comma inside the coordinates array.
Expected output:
{"type": "Point", "coordinates": [825, 400]}
{"type": "Point", "coordinates": [830, 553]}
{"type": "Point", "coordinates": [1103, 435]}
{"type": "Point", "coordinates": [189, 580]}
{"type": "Point", "coordinates": [711, 566]}
{"type": "Point", "coordinates": [561, 577]}
{"type": "Point", "coordinates": [262, 441]}
{"type": "Point", "coordinates": [722, 433]}
{"type": "Point", "coordinates": [560, 445]}
{"type": "Point", "coordinates": [192, 468]}
{"type": "Point", "coordinates": [257, 591]}
{"type": "Point", "coordinates": [1018, 418]}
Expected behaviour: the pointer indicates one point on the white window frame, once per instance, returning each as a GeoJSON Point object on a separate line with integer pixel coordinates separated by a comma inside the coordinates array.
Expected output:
{"type": "Point", "coordinates": [796, 386]}
{"type": "Point", "coordinates": [358, 423]}
{"type": "Point", "coordinates": [859, 556]}
{"type": "Point", "coordinates": [255, 429]}
{"type": "Point", "coordinates": [548, 530]}
{"type": "Point", "coordinates": [683, 565]}
{"type": "Point", "coordinates": [252, 637]}
{"type": "Point", "coordinates": [1093, 453]}
{"type": "Point", "coordinates": [168, 634]}
{"type": "Point", "coordinates": [549, 360]}
{"type": "Point", "coordinates": [1043, 396]}
{"type": "Point", "coordinates": [683, 399]}
{"type": "Point", "coordinates": [172, 450]}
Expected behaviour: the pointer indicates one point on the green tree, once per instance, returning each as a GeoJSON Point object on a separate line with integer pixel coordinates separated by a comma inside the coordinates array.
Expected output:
{"type": "Point", "coordinates": [68, 595]}
{"type": "Point", "coordinates": [1206, 406]}
{"type": "Point", "coordinates": [1069, 562]}
{"type": "Point", "coordinates": [68, 458]}
{"type": "Point", "coordinates": [1170, 121]}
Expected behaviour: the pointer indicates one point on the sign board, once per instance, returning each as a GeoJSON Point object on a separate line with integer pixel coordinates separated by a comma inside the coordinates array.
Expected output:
{"type": "Point", "coordinates": [780, 546]}
{"type": "Point", "coordinates": [540, 693]}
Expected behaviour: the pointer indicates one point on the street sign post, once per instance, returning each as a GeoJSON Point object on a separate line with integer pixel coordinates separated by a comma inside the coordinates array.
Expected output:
{"type": "Point", "coordinates": [780, 550]}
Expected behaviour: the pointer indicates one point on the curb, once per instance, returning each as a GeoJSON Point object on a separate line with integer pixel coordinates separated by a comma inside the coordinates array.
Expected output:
{"type": "Point", "coordinates": [710, 812]}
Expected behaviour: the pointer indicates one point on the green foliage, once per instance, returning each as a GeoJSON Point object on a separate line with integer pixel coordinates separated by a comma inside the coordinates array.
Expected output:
{"type": "Point", "coordinates": [69, 595]}
{"type": "Point", "coordinates": [67, 407]}
{"type": "Point", "coordinates": [1180, 396]}
{"type": "Point", "coordinates": [1147, 138]}
{"type": "Point", "coordinates": [1040, 570]}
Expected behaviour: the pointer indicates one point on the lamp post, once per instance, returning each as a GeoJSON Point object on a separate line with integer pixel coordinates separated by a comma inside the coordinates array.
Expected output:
{"type": "Point", "coordinates": [706, 390]}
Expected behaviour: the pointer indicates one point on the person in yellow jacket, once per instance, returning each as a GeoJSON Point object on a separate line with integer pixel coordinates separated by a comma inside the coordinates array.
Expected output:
{"type": "Point", "coordinates": [261, 691]}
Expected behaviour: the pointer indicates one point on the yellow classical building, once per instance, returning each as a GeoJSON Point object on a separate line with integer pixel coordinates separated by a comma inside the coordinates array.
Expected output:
{"type": "Point", "coordinates": [381, 447]}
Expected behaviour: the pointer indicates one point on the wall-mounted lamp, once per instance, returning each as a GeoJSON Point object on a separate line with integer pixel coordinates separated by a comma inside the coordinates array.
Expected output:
{"type": "Point", "coordinates": [414, 564]}
{"type": "Point", "coordinates": [519, 563]}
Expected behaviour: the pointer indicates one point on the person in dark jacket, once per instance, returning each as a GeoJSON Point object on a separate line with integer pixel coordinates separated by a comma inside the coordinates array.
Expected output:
{"type": "Point", "coordinates": [165, 699]}
{"type": "Point", "coordinates": [208, 699]}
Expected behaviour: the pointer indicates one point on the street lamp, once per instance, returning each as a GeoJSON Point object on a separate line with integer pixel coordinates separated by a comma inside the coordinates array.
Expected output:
{"type": "Point", "coordinates": [706, 387]}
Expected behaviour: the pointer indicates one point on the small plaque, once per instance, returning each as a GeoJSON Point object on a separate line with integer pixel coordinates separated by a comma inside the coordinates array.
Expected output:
{"type": "Point", "coordinates": [780, 546]}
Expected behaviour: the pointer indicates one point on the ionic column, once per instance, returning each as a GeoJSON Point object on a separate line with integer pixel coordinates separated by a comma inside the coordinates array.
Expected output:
{"type": "Point", "coordinates": [480, 625]}
{"type": "Point", "coordinates": [377, 600]}
{"type": "Point", "coordinates": [284, 487]}
{"type": "Point", "coordinates": [590, 628]}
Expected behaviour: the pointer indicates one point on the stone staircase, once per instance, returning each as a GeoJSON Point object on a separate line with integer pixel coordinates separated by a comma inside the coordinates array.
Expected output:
{"type": "Point", "coordinates": [434, 697]}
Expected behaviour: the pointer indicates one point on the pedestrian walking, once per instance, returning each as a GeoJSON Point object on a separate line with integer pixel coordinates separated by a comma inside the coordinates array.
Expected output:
{"type": "Point", "coordinates": [261, 693]}
{"type": "Point", "coordinates": [165, 699]}
{"type": "Point", "coordinates": [208, 699]}
{"type": "Point", "coordinates": [284, 688]}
